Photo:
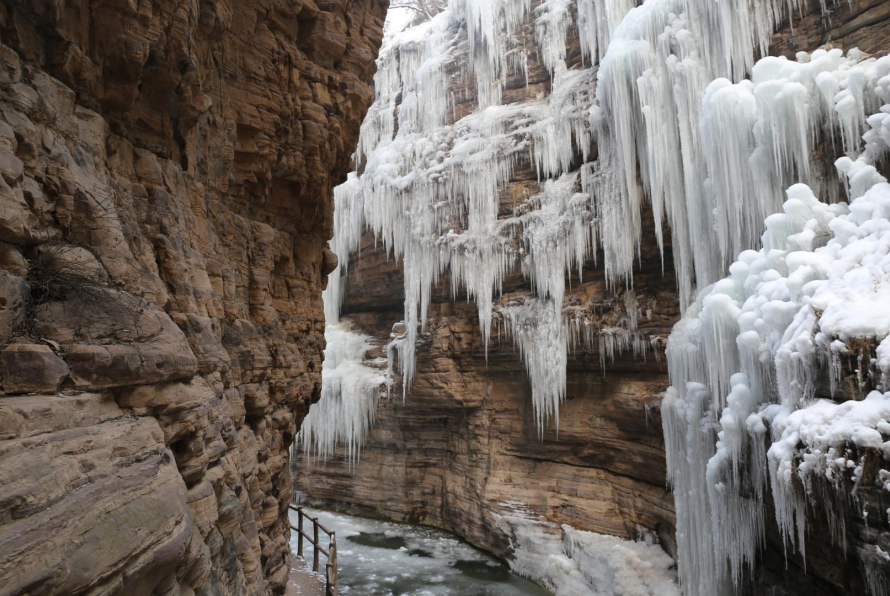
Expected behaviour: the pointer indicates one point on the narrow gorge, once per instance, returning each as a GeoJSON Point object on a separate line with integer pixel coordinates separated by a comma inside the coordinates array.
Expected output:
{"type": "Point", "coordinates": [588, 294]}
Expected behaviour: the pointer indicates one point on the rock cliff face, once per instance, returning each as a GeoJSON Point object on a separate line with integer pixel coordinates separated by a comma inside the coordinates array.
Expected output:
{"type": "Point", "coordinates": [463, 446]}
{"type": "Point", "coordinates": [165, 204]}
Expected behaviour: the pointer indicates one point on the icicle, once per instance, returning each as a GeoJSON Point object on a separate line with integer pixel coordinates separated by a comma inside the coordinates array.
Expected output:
{"type": "Point", "coordinates": [596, 21]}
{"type": "Point", "coordinates": [734, 32]}
{"type": "Point", "coordinates": [735, 510]}
{"type": "Point", "coordinates": [556, 237]}
{"type": "Point", "coordinates": [552, 21]}
{"type": "Point", "coordinates": [431, 191]}
{"type": "Point", "coordinates": [491, 24]}
{"type": "Point", "coordinates": [349, 394]}
{"type": "Point", "coordinates": [536, 327]}
{"type": "Point", "coordinates": [689, 433]}
{"type": "Point", "coordinates": [751, 140]}
{"type": "Point", "coordinates": [753, 342]}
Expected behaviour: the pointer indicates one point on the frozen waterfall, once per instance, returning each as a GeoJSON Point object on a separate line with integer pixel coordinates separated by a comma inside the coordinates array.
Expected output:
{"type": "Point", "coordinates": [785, 289]}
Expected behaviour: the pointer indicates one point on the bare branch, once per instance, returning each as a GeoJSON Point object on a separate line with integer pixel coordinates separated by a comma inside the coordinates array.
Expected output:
{"type": "Point", "coordinates": [427, 8]}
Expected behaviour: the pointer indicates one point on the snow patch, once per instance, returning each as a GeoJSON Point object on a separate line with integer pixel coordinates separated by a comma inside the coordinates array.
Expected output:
{"type": "Point", "coordinates": [568, 561]}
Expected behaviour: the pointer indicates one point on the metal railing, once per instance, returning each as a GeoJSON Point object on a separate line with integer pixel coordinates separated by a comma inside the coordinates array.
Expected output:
{"type": "Point", "coordinates": [331, 583]}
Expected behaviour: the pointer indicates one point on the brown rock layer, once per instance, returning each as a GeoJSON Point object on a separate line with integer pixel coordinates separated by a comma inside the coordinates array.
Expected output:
{"type": "Point", "coordinates": [165, 201]}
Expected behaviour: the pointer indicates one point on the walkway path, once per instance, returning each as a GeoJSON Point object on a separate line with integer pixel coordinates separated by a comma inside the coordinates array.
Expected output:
{"type": "Point", "coordinates": [302, 582]}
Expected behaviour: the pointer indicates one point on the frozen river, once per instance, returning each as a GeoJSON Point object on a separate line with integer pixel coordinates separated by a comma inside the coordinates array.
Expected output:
{"type": "Point", "coordinates": [388, 559]}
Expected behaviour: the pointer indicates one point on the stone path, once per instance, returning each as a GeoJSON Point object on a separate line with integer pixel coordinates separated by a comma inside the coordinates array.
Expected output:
{"type": "Point", "coordinates": [302, 581]}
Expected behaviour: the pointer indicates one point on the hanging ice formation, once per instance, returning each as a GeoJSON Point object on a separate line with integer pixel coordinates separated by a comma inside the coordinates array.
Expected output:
{"type": "Point", "coordinates": [687, 121]}
{"type": "Point", "coordinates": [351, 387]}
{"type": "Point", "coordinates": [429, 187]}
{"type": "Point", "coordinates": [349, 394]}
{"type": "Point", "coordinates": [429, 183]}
{"type": "Point", "coordinates": [750, 359]}
{"type": "Point", "coordinates": [695, 138]}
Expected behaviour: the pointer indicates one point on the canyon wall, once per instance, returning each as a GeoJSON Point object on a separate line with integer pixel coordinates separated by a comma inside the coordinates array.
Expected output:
{"type": "Point", "coordinates": [166, 175]}
{"type": "Point", "coordinates": [463, 449]}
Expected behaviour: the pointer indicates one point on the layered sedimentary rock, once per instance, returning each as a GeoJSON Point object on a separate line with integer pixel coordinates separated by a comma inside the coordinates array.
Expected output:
{"type": "Point", "coordinates": [165, 205]}
{"type": "Point", "coordinates": [462, 450]}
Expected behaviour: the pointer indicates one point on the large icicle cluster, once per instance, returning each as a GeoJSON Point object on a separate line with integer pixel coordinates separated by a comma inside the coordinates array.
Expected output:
{"type": "Point", "coordinates": [349, 394]}
{"type": "Point", "coordinates": [753, 354]}
{"type": "Point", "coordinates": [689, 124]}
{"type": "Point", "coordinates": [537, 328]}
{"type": "Point", "coordinates": [430, 186]}
{"type": "Point", "coordinates": [667, 111]}
{"type": "Point", "coordinates": [350, 387]}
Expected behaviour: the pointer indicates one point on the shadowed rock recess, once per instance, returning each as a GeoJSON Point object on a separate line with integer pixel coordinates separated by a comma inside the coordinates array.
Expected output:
{"type": "Point", "coordinates": [462, 449]}
{"type": "Point", "coordinates": [166, 175]}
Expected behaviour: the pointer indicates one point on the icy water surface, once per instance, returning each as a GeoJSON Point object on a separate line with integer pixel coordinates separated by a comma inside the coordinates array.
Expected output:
{"type": "Point", "coordinates": [389, 559]}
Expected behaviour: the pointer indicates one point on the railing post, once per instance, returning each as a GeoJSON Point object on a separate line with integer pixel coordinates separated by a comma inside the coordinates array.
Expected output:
{"type": "Point", "coordinates": [300, 531]}
{"type": "Point", "coordinates": [315, 543]}
{"type": "Point", "coordinates": [333, 585]}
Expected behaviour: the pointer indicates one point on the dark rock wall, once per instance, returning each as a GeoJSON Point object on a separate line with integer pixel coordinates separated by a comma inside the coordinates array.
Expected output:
{"type": "Point", "coordinates": [166, 175]}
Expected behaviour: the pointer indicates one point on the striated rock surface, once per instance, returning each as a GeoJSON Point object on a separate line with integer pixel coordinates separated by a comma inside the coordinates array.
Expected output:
{"type": "Point", "coordinates": [462, 448]}
{"type": "Point", "coordinates": [165, 202]}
